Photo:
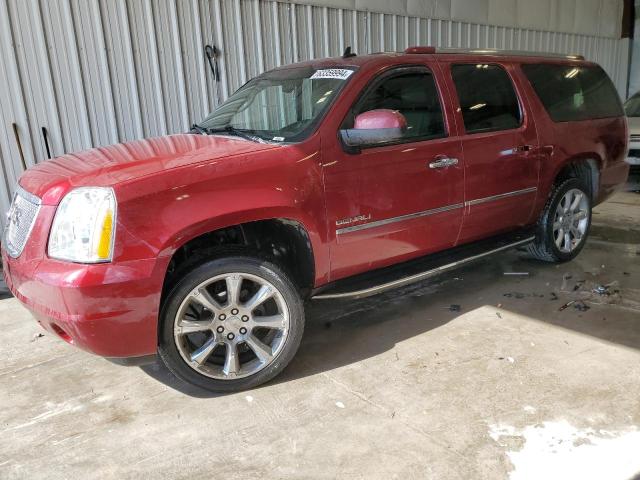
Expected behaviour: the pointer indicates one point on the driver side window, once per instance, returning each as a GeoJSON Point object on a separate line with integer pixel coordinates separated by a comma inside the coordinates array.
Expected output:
{"type": "Point", "coordinates": [412, 94]}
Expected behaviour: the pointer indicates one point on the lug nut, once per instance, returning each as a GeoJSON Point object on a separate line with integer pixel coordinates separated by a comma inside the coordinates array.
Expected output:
{"type": "Point", "coordinates": [231, 336]}
{"type": "Point", "coordinates": [220, 329]}
{"type": "Point", "coordinates": [243, 330]}
{"type": "Point", "coordinates": [222, 316]}
{"type": "Point", "coordinates": [245, 318]}
{"type": "Point", "coordinates": [234, 311]}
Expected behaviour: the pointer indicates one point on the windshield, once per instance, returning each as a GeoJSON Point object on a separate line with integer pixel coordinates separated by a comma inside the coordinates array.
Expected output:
{"type": "Point", "coordinates": [280, 106]}
{"type": "Point", "coordinates": [632, 106]}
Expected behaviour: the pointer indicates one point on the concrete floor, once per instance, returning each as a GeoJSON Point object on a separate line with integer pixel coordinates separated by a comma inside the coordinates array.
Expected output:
{"type": "Point", "coordinates": [398, 386]}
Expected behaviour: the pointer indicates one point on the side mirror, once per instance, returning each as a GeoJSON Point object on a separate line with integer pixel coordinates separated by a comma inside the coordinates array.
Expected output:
{"type": "Point", "coordinates": [372, 128]}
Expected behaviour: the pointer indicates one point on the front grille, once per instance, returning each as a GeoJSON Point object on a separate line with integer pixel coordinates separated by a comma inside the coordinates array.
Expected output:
{"type": "Point", "coordinates": [20, 219]}
{"type": "Point", "coordinates": [635, 137]}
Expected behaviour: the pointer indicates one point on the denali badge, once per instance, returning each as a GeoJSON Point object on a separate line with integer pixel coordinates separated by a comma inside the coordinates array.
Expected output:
{"type": "Point", "coordinates": [358, 218]}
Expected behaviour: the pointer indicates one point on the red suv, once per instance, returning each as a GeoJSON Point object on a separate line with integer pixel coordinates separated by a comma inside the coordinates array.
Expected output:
{"type": "Point", "coordinates": [331, 178]}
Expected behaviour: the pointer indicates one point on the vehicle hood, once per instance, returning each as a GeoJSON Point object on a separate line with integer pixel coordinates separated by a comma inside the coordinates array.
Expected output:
{"type": "Point", "coordinates": [108, 166]}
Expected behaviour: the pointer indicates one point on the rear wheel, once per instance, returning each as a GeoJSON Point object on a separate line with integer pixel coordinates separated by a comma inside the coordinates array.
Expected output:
{"type": "Point", "coordinates": [231, 324]}
{"type": "Point", "coordinates": [564, 224]}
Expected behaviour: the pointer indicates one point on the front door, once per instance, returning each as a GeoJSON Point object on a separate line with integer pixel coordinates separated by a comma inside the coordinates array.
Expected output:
{"type": "Point", "coordinates": [402, 199]}
{"type": "Point", "coordinates": [502, 158]}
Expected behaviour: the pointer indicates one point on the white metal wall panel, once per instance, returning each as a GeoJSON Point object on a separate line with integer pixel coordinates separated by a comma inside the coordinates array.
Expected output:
{"type": "Point", "coordinates": [95, 72]}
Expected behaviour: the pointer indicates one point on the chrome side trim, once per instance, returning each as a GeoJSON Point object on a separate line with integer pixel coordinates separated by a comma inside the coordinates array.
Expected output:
{"type": "Point", "coordinates": [387, 221]}
{"type": "Point", "coordinates": [500, 196]}
{"type": "Point", "coordinates": [367, 292]}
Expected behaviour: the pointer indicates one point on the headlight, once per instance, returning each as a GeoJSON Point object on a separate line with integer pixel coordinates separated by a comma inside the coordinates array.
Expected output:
{"type": "Point", "coordinates": [84, 226]}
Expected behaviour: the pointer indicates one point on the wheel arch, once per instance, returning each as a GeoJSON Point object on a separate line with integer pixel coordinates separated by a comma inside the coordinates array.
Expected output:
{"type": "Point", "coordinates": [284, 240]}
{"type": "Point", "coordinates": [585, 166]}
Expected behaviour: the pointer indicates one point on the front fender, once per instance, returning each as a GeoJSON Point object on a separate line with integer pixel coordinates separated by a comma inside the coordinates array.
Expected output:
{"type": "Point", "coordinates": [159, 215]}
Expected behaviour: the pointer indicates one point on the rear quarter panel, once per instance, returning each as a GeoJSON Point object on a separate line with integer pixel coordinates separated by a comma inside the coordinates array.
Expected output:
{"type": "Point", "coordinates": [602, 140]}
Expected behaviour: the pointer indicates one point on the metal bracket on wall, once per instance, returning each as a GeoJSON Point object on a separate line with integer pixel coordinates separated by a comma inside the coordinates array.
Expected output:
{"type": "Point", "coordinates": [46, 142]}
{"type": "Point", "coordinates": [19, 143]}
{"type": "Point", "coordinates": [212, 53]}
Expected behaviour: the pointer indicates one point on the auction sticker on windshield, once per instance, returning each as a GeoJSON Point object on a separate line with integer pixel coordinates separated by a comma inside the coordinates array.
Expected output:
{"type": "Point", "coordinates": [338, 73]}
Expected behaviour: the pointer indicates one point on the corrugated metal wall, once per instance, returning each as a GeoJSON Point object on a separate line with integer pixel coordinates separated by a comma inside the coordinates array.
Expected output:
{"type": "Point", "coordinates": [95, 72]}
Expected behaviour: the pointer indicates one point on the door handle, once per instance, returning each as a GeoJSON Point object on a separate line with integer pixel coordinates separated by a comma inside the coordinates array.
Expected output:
{"type": "Point", "coordinates": [443, 162]}
{"type": "Point", "coordinates": [522, 149]}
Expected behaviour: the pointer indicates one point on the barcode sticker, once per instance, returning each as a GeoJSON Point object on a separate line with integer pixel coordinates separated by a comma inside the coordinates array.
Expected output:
{"type": "Point", "coordinates": [338, 73]}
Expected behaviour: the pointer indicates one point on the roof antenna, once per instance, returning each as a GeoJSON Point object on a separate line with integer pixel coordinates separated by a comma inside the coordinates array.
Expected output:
{"type": "Point", "coordinates": [348, 53]}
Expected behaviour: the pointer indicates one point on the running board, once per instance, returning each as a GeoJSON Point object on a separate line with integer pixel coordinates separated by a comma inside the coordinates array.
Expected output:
{"type": "Point", "coordinates": [389, 278]}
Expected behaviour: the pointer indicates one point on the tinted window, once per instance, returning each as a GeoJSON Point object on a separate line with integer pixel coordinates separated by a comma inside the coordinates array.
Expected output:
{"type": "Point", "coordinates": [574, 93]}
{"type": "Point", "coordinates": [487, 98]}
{"type": "Point", "coordinates": [415, 95]}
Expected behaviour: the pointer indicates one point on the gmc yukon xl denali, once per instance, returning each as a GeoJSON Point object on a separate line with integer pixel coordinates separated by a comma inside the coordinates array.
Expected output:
{"type": "Point", "coordinates": [333, 178]}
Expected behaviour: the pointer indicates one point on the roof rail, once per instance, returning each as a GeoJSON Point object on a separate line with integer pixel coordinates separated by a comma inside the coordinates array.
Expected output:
{"type": "Point", "coordinates": [492, 51]}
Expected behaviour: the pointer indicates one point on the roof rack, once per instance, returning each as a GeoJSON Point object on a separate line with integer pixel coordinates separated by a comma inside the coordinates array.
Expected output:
{"type": "Point", "coordinates": [492, 51]}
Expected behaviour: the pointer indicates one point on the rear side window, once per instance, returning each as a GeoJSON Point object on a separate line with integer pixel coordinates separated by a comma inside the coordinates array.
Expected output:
{"type": "Point", "coordinates": [414, 95]}
{"type": "Point", "coordinates": [487, 98]}
{"type": "Point", "coordinates": [571, 93]}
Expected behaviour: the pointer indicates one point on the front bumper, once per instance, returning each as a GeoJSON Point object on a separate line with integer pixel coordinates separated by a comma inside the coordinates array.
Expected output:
{"type": "Point", "coordinates": [109, 309]}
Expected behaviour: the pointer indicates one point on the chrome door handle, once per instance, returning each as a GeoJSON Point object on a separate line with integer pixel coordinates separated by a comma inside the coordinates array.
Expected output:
{"type": "Point", "coordinates": [522, 149]}
{"type": "Point", "coordinates": [443, 162]}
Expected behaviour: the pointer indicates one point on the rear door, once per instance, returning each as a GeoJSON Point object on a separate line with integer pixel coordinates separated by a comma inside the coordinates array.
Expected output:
{"type": "Point", "coordinates": [500, 144]}
{"type": "Point", "coordinates": [399, 200]}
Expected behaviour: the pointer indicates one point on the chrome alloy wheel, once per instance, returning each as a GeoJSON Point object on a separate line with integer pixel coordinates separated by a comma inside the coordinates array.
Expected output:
{"type": "Point", "coordinates": [571, 220]}
{"type": "Point", "coordinates": [231, 326]}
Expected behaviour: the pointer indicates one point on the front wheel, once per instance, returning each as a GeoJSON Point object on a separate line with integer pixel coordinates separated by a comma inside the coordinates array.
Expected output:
{"type": "Point", "coordinates": [564, 224]}
{"type": "Point", "coordinates": [231, 324]}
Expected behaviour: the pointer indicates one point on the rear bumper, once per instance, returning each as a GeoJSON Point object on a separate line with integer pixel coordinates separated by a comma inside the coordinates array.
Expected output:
{"type": "Point", "coordinates": [107, 309]}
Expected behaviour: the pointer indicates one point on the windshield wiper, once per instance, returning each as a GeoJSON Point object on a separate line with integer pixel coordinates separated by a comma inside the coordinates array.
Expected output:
{"type": "Point", "coordinates": [247, 134]}
{"type": "Point", "coordinates": [199, 129]}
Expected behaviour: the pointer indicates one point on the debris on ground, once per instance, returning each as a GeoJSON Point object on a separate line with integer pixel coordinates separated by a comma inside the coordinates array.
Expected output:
{"type": "Point", "coordinates": [581, 306]}
{"type": "Point", "coordinates": [454, 308]}
{"type": "Point", "coordinates": [517, 273]}
{"type": "Point", "coordinates": [578, 284]}
{"type": "Point", "coordinates": [37, 336]}
{"type": "Point", "coordinates": [509, 359]}
{"type": "Point", "coordinates": [601, 290]}
{"type": "Point", "coordinates": [568, 304]}
{"type": "Point", "coordinates": [520, 295]}
{"type": "Point", "coordinates": [577, 304]}
{"type": "Point", "coordinates": [498, 314]}
{"type": "Point", "coordinates": [606, 289]}
{"type": "Point", "coordinates": [626, 273]}
{"type": "Point", "coordinates": [339, 404]}
{"type": "Point", "coordinates": [553, 296]}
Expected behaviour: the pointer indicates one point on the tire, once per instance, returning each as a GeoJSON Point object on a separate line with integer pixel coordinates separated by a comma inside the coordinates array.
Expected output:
{"type": "Point", "coordinates": [546, 247]}
{"type": "Point", "coordinates": [241, 340]}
